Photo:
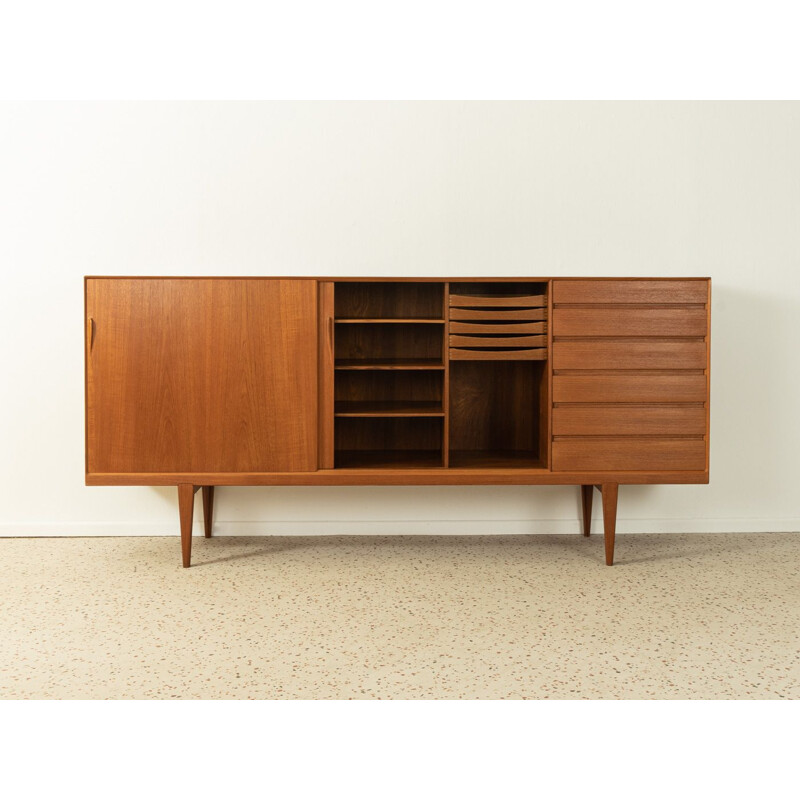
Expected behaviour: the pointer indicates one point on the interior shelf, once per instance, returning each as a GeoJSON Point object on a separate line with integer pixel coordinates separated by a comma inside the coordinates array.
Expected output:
{"type": "Point", "coordinates": [388, 408]}
{"type": "Point", "coordinates": [389, 363]}
{"type": "Point", "coordinates": [494, 459]}
{"type": "Point", "coordinates": [388, 459]}
{"type": "Point", "coordinates": [382, 320]}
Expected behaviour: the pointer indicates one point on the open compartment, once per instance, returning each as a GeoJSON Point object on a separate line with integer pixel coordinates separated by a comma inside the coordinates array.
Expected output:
{"type": "Point", "coordinates": [386, 344]}
{"type": "Point", "coordinates": [381, 300]}
{"type": "Point", "coordinates": [399, 393]}
{"type": "Point", "coordinates": [498, 414]}
{"type": "Point", "coordinates": [388, 442]}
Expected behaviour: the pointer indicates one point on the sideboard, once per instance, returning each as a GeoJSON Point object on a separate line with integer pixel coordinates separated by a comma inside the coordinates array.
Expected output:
{"type": "Point", "coordinates": [206, 382]}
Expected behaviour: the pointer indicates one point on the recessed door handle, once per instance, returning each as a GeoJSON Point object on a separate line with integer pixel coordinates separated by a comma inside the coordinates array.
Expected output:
{"type": "Point", "coordinates": [90, 332]}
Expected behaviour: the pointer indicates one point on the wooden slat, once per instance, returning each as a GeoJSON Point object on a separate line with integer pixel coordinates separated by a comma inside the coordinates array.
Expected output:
{"type": "Point", "coordinates": [488, 327]}
{"type": "Point", "coordinates": [624, 454]}
{"type": "Point", "coordinates": [607, 420]}
{"type": "Point", "coordinates": [498, 355]}
{"type": "Point", "coordinates": [621, 321]}
{"type": "Point", "coordinates": [634, 291]}
{"type": "Point", "coordinates": [498, 341]}
{"type": "Point", "coordinates": [499, 315]}
{"type": "Point", "coordinates": [630, 354]}
{"type": "Point", "coordinates": [508, 301]}
{"type": "Point", "coordinates": [673, 387]}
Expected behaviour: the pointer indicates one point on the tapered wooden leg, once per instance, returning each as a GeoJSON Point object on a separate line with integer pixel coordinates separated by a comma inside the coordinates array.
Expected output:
{"type": "Point", "coordinates": [208, 509]}
{"type": "Point", "coordinates": [586, 502]}
{"type": "Point", "coordinates": [186, 507]}
{"type": "Point", "coordinates": [609, 492]}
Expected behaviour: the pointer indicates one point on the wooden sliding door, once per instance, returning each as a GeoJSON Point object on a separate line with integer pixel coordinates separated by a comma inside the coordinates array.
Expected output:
{"type": "Point", "coordinates": [201, 375]}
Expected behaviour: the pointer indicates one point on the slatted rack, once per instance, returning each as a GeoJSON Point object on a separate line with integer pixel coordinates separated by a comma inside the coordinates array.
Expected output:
{"type": "Point", "coordinates": [497, 327]}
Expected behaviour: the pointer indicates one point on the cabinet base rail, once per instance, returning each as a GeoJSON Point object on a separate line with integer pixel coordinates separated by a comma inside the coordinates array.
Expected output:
{"type": "Point", "coordinates": [187, 491]}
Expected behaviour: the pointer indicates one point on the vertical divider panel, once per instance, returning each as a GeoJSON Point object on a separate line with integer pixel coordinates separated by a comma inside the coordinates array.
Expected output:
{"type": "Point", "coordinates": [446, 377]}
{"type": "Point", "coordinates": [546, 404]}
{"type": "Point", "coordinates": [325, 334]}
{"type": "Point", "coordinates": [708, 375]}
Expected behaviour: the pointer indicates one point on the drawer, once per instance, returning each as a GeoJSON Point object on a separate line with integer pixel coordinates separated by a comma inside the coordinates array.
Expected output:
{"type": "Point", "coordinates": [498, 314]}
{"type": "Point", "coordinates": [634, 291]}
{"type": "Point", "coordinates": [620, 321]}
{"type": "Point", "coordinates": [628, 420]}
{"type": "Point", "coordinates": [464, 354]}
{"type": "Point", "coordinates": [498, 327]}
{"type": "Point", "coordinates": [627, 454]}
{"type": "Point", "coordinates": [632, 354]}
{"type": "Point", "coordinates": [641, 388]}
{"type": "Point", "coordinates": [539, 340]}
{"type": "Point", "coordinates": [498, 301]}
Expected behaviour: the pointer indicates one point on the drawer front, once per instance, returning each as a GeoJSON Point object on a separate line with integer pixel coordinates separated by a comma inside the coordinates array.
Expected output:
{"type": "Point", "coordinates": [630, 375]}
{"type": "Point", "coordinates": [628, 354]}
{"type": "Point", "coordinates": [611, 321]}
{"type": "Point", "coordinates": [627, 420]}
{"type": "Point", "coordinates": [633, 291]}
{"type": "Point", "coordinates": [636, 388]}
{"type": "Point", "coordinates": [628, 454]}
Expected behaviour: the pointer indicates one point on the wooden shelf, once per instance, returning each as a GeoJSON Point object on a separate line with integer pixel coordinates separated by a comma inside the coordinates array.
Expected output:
{"type": "Point", "coordinates": [494, 459]}
{"type": "Point", "coordinates": [388, 408]}
{"type": "Point", "coordinates": [383, 320]}
{"type": "Point", "coordinates": [387, 459]}
{"type": "Point", "coordinates": [389, 363]}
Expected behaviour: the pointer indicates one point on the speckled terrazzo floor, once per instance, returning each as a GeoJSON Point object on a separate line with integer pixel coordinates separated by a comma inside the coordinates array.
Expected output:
{"type": "Point", "coordinates": [680, 616]}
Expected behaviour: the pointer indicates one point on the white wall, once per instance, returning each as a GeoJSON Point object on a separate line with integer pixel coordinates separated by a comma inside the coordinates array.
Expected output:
{"type": "Point", "coordinates": [662, 189]}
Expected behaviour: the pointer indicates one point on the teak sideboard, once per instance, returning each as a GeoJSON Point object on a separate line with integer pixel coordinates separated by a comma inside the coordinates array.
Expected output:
{"type": "Point", "coordinates": [205, 382]}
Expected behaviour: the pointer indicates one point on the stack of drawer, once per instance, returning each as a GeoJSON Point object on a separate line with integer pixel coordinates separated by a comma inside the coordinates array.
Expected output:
{"type": "Point", "coordinates": [498, 327]}
{"type": "Point", "coordinates": [630, 375]}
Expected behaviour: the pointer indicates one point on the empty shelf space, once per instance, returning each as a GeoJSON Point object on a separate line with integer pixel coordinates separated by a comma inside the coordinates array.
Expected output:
{"type": "Point", "coordinates": [387, 459]}
{"type": "Point", "coordinates": [389, 363]}
{"type": "Point", "coordinates": [494, 459]}
{"type": "Point", "coordinates": [388, 408]}
{"type": "Point", "coordinates": [389, 320]}
{"type": "Point", "coordinates": [389, 300]}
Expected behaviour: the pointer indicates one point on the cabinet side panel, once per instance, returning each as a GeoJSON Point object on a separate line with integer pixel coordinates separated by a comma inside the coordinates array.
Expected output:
{"type": "Point", "coordinates": [202, 375]}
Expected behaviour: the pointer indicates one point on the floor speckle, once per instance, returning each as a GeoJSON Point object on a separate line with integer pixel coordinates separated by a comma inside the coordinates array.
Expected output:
{"type": "Point", "coordinates": [700, 616]}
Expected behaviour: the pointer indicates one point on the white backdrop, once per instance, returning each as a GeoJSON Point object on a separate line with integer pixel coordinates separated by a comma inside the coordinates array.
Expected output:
{"type": "Point", "coordinates": [629, 189]}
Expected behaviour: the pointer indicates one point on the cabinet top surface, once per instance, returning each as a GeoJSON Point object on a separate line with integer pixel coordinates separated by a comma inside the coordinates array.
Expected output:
{"type": "Point", "coordinates": [399, 278]}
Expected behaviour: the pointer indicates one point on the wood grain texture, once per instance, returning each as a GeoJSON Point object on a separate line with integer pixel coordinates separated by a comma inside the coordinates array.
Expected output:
{"type": "Point", "coordinates": [634, 387]}
{"type": "Point", "coordinates": [395, 298]}
{"type": "Point", "coordinates": [460, 354]}
{"type": "Point", "coordinates": [539, 340]}
{"type": "Point", "coordinates": [208, 510]}
{"type": "Point", "coordinates": [629, 354]}
{"type": "Point", "coordinates": [635, 321]}
{"type": "Point", "coordinates": [499, 327]}
{"type": "Point", "coordinates": [498, 301]}
{"type": "Point", "coordinates": [325, 378]}
{"type": "Point", "coordinates": [627, 420]}
{"type": "Point", "coordinates": [186, 511]}
{"type": "Point", "coordinates": [630, 291]}
{"type": "Point", "coordinates": [498, 315]}
{"type": "Point", "coordinates": [625, 454]}
{"type": "Point", "coordinates": [490, 476]}
{"type": "Point", "coordinates": [494, 406]}
{"type": "Point", "coordinates": [202, 375]}
{"type": "Point", "coordinates": [610, 493]}
{"type": "Point", "coordinates": [587, 492]}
